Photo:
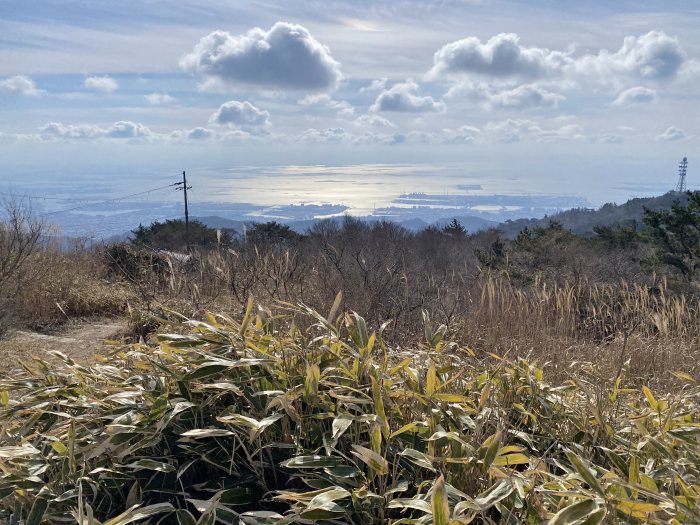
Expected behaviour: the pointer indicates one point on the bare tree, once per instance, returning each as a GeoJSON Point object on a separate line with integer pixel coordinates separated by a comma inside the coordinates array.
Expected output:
{"type": "Point", "coordinates": [20, 236]}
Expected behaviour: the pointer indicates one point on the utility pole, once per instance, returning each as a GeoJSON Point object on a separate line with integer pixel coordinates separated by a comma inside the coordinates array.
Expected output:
{"type": "Point", "coordinates": [184, 187]}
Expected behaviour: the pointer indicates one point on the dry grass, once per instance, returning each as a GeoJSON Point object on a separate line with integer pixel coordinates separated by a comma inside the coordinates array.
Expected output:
{"type": "Point", "coordinates": [69, 285]}
{"type": "Point", "coordinates": [572, 326]}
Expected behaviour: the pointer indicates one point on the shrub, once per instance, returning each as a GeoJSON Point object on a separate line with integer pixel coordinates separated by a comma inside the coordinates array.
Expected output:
{"type": "Point", "coordinates": [257, 421]}
{"type": "Point", "coordinates": [171, 235]}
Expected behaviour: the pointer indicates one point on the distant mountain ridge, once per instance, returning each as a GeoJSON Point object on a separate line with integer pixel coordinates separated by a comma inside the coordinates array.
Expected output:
{"type": "Point", "coordinates": [471, 223]}
{"type": "Point", "coordinates": [581, 221]}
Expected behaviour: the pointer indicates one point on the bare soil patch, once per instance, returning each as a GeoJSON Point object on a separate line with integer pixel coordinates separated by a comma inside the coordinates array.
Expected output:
{"type": "Point", "coordinates": [80, 340]}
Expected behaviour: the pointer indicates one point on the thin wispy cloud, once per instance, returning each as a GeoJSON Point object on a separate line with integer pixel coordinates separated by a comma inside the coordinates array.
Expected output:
{"type": "Point", "coordinates": [20, 85]}
{"type": "Point", "coordinates": [105, 84]}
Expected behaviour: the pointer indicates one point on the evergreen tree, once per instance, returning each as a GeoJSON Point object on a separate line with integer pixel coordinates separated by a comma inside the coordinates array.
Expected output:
{"type": "Point", "coordinates": [676, 233]}
{"type": "Point", "coordinates": [171, 235]}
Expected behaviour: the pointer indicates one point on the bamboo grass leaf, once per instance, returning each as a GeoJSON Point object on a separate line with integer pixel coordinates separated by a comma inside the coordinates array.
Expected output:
{"type": "Point", "coordinates": [439, 503]}
{"type": "Point", "coordinates": [374, 461]}
{"type": "Point", "coordinates": [577, 513]}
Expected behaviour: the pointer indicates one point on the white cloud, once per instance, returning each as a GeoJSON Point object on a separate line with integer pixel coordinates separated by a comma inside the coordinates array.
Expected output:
{"type": "Point", "coordinates": [653, 56]}
{"type": "Point", "coordinates": [127, 130]}
{"type": "Point", "coordinates": [157, 99]}
{"type": "Point", "coordinates": [504, 95]}
{"type": "Point", "coordinates": [287, 57]}
{"type": "Point", "coordinates": [314, 99]}
{"type": "Point", "coordinates": [106, 84]}
{"type": "Point", "coordinates": [344, 109]}
{"type": "Point", "coordinates": [570, 132]}
{"type": "Point", "coordinates": [414, 137]}
{"type": "Point", "coordinates": [462, 135]}
{"type": "Point", "coordinates": [609, 138]}
{"type": "Point", "coordinates": [635, 94]}
{"type": "Point", "coordinates": [523, 97]}
{"type": "Point", "coordinates": [671, 134]}
{"type": "Point", "coordinates": [375, 85]}
{"type": "Point", "coordinates": [374, 121]}
{"type": "Point", "coordinates": [501, 56]}
{"type": "Point", "coordinates": [242, 115]}
{"type": "Point", "coordinates": [333, 135]}
{"type": "Point", "coordinates": [516, 130]}
{"type": "Point", "coordinates": [118, 130]}
{"type": "Point", "coordinates": [198, 133]}
{"type": "Point", "coordinates": [21, 85]}
{"type": "Point", "coordinates": [403, 98]}
{"type": "Point", "coordinates": [512, 130]}
{"type": "Point", "coordinates": [341, 136]}
{"type": "Point", "coordinates": [466, 89]}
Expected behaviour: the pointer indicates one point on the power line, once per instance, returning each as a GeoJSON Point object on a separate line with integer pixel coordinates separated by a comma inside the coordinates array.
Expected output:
{"type": "Point", "coordinates": [116, 199]}
{"type": "Point", "coordinates": [87, 201]}
{"type": "Point", "coordinates": [37, 197]}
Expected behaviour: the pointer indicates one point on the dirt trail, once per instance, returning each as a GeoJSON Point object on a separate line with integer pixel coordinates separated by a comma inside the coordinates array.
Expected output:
{"type": "Point", "coordinates": [80, 340]}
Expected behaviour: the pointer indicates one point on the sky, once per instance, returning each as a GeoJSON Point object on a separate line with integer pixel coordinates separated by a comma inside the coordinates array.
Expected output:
{"type": "Point", "coordinates": [592, 98]}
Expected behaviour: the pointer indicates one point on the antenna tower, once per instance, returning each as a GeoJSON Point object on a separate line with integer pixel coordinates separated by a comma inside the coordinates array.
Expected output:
{"type": "Point", "coordinates": [682, 171]}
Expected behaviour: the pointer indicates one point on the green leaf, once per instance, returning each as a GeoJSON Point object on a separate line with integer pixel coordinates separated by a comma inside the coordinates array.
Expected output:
{"type": "Point", "coordinates": [149, 464]}
{"type": "Point", "coordinates": [357, 328]}
{"type": "Point", "coordinates": [207, 433]}
{"type": "Point", "coordinates": [414, 427]}
{"type": "Point", "coordinates": [240, 420]}
{"type": "Point", "coordinates": [439, 503]}
{"type": "Point", "coordinates": [205, 371]}
{"type": "Point", "coordinates": [59, 447]}
{"type": "Point", "coordinates": [340, 424]}
{"type": "Point", "coordinates": [511, 459]}
{"type": "Point", "coordinates": [313, 462]}
{"type": "Point", "coordinates": [260, 517]}
{"type": "Point", "coordinates": [494, 494]}
{"type": "Point", "coordinates": [185, 517]}
{"type": "Point", "coordinates": [585, 473]}
{"type": "Point", "coordinates": [379, 407]}
{"type": "Point", "coordinates": [492, 445]}
{"type": "Point", "coordinates": [136, 514]}
{"type": "Point", "coordinates": [373, 460]}
{"type": "Point", "coordinates": [576, 513]}
{"type": "Point", "coordinates": [324, 505]}
{"type": "Point", "coordinates": [39, 508]}
{"type": "Point", "coordinates": [263, 424]}
{"type": "Point", "coordinates": [430, 381]}
{"type": "Point", "coordinates": [637, 509]}
{"type": "Point", "coordinates": [247, 317]}
{"type": "Point", "coordinates": [334, 308]}
{"type": "Point", "coordinates": [417, 458]}
{"type": "Point", "coordinates": [410, 503]}
{"type": "Point", "coordinates": [653, 403]}
{"type": "Point", "coordinates": [313, 375]}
